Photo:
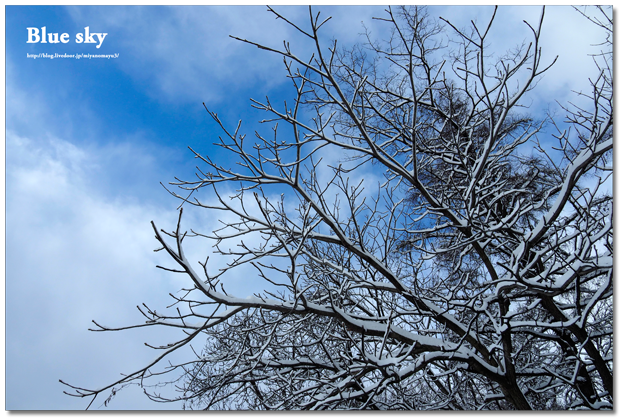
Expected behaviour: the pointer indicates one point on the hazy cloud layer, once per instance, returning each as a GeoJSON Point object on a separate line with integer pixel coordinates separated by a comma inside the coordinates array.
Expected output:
{"type": "Point", "coordinates": [73, 255]}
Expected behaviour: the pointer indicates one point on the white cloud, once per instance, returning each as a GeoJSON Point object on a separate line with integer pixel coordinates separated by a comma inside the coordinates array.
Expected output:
{"type": "Point", "coordinates": [186, 54]}
{"type": "Point", "coordinates": [73, 255]}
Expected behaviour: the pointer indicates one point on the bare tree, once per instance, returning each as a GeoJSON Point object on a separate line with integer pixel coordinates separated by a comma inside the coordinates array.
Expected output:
{"type": "Point", "coordinates": [477, 275]}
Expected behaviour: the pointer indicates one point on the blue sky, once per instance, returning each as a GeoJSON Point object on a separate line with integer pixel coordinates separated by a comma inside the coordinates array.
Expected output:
{"type": "Point", "coordinates": [88, 142]}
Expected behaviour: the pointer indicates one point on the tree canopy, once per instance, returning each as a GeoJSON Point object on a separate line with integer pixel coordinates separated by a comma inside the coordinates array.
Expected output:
{"type": "Point", "coordinates": [476, 275]}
